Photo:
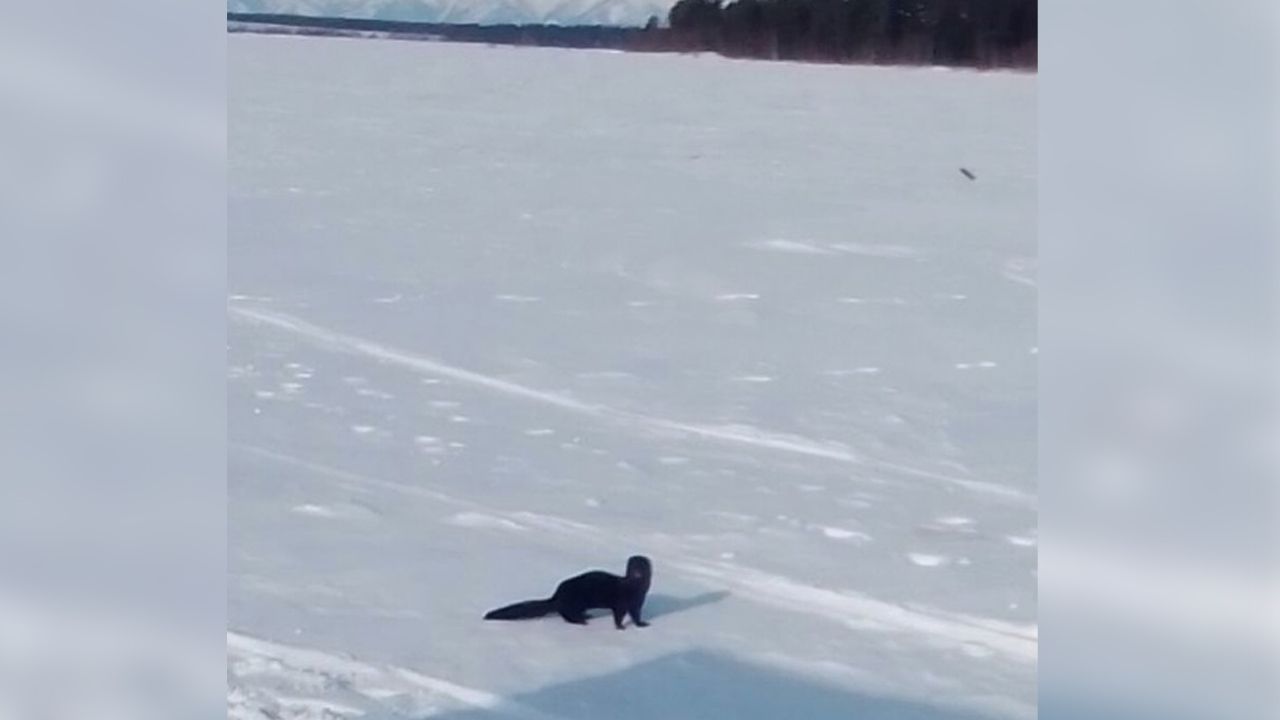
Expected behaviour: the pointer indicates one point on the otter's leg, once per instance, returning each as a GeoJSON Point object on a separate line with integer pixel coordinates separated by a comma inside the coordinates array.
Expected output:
{"type": "Point", "coordinates": [635, 616]}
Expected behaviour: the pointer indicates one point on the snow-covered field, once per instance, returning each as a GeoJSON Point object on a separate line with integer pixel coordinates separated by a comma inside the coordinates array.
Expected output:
{"type": "Point", "coordinates": [501, 315]}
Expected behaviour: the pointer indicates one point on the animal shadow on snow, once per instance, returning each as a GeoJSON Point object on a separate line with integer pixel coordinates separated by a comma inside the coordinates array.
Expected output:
{"type": "Point", "coordinates": [698, 685]}
{"type": "Point", "coordinates": [656, 606]}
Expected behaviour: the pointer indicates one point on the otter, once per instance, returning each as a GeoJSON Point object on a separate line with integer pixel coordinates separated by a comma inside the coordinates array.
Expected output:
{"type": "Point", "coordinates": [588, 591]}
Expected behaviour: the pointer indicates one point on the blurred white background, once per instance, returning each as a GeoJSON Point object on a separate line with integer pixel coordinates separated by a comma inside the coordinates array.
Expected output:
{"type": "Point", "coordinates": [1158, 173]}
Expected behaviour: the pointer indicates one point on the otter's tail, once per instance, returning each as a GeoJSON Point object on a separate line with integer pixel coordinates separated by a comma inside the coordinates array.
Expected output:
{"type": "Point", "coordinates": [522, 610]}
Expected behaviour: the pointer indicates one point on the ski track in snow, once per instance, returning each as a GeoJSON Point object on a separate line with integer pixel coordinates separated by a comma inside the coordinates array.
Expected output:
{"type": "Point", "coordinates": [849, 609]}
{"type": "Point", "coordinates": [268, 680]}
{"type": "Point", "coordinates": [732, 434]}
{"type": "Point", "coordinates": [859, 612]}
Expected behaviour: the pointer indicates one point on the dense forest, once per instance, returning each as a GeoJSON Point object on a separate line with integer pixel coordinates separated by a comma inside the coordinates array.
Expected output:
{"type": "Point", "coordinates": [975, 33]}
{"type": "Point", "coordinates": [982, 33]}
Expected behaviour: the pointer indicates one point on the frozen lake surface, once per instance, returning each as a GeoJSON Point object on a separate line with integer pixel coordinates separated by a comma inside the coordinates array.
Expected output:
{"type": "Point", "coordinates": [501, 315]}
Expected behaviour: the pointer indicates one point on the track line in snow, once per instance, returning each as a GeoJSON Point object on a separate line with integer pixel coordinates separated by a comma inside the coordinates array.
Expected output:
{"type": "Point", "coordinates": [860, 612]}
{"type": "Point", "coordinates": [850, 609]}
{"type": "Point", "coordinates": [740, 435]}
{"type": "Point", "coordinates": [353, 345]}
{"type": "Point", "coordinates": [266, 675]}
{"type": "Point", "coordinates": [353, 479]}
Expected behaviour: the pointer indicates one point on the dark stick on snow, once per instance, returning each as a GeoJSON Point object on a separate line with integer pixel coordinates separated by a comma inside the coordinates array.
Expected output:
{"type": "Point", "coordinates": [966, 173]}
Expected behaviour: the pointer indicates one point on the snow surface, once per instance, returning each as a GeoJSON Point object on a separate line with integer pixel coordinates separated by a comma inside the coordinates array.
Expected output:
{"type": "Point", "coordinates": [501, 315]}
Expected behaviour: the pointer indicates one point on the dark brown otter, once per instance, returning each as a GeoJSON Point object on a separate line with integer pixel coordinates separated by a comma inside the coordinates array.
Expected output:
{"type": "Point", "coordinates": [589, 591]}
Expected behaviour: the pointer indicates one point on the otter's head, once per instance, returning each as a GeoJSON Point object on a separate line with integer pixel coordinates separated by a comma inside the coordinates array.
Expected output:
{"type": "Point", "coordinates": [639, 569]}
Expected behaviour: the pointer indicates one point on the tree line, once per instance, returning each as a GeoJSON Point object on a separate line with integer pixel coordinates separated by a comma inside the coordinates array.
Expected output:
{"type": "Point", "coordinates": [980, 33]}
{"type": "Point", "coordinates": [976, 33]}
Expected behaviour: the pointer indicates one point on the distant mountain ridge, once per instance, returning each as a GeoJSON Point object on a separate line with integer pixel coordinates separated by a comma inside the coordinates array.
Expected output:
{"type": "Point", "coordinates": [622, 13]}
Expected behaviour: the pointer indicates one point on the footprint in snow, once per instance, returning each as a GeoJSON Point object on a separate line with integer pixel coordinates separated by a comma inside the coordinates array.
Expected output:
{"type": "Point", "coordinates": [984, 364]}
{"type": "Point", "coordinates": [954, 522]}
{"type": "Point", "coordinates": [314, 510]}
{"type": "Point", "coordinates": [925, 560]}
{"type": "Point", "coordinates": [481, 520]}
{"type": "Point", "coordinates": [865, 370]}
{"type": "Point", "coordinates": [335, 511]}
{"type": "Point", "coordinates": [794, 247]}
{"type": "Point", "coordinates": [836, 533]}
